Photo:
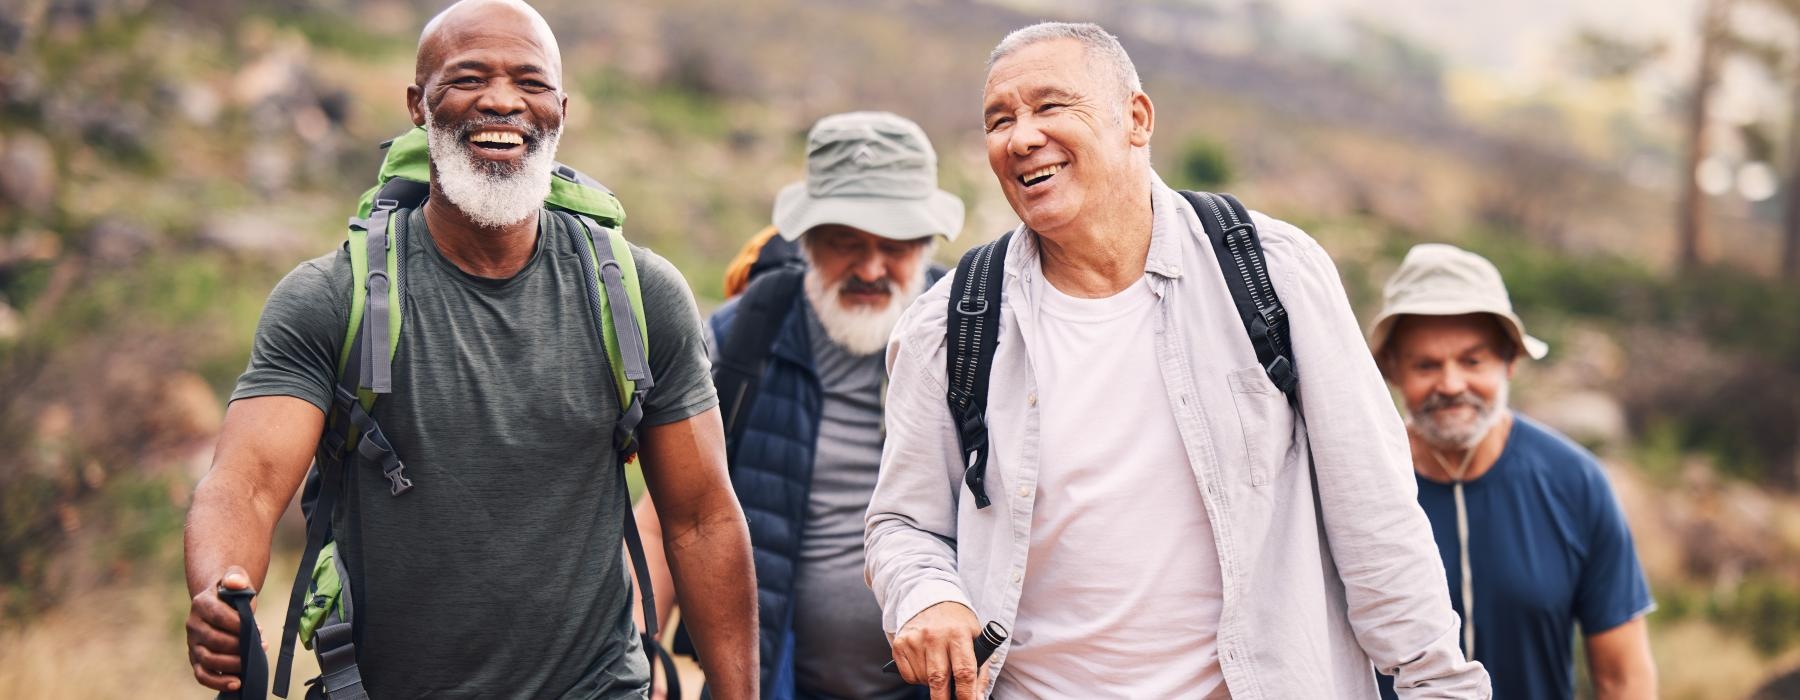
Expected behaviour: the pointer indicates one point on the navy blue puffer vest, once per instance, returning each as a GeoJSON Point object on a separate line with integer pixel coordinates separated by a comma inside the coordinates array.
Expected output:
{"type": "Point", "coordinates": [772, 475]}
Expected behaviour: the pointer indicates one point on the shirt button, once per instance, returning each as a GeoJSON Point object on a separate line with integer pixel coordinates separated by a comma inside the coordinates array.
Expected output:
{"type": "Point", "coordinates": [1017, 576]}
{"type": "Point", "coordinates": [1174, 270]}
{"type": "Point", "coordinates": [1024, 492]}
{"type": "Point", "coordinates": [1031, 398]}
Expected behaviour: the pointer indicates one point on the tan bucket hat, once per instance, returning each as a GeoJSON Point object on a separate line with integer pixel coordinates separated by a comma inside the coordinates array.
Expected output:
{"type": "Point", "coordinates": [869, 170]}
{"type": "Point", "coordinates": [1437, 279]}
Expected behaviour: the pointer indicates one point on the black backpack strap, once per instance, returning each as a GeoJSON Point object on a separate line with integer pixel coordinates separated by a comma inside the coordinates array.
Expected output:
{"type": "Point", "coordinates": [971, 333]}
{"type": "Point", "coordinates": [336, 454]}
{"type": "Point", "coordinates": [745, 352]}
{"type": "Point", "coordinates": [1239, 250]}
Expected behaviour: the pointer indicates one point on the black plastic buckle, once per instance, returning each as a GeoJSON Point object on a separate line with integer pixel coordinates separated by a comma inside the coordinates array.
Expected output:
{"type": "Point", "coordinates": [1282, 373]}
{"type": "Point", "coordinates": [971, 427]}
{"type": "Point", "coordinates": [1271, 314]}
{"type": "Point", "coordinates": [382, 204]}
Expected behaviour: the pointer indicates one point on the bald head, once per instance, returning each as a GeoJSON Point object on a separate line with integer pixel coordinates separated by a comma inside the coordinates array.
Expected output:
{"type": "Point", "coordinates": [473, 20]}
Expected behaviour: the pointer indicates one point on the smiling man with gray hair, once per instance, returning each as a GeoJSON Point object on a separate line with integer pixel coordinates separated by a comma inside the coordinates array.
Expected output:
{"type": "Point", "coordinates": [1161, 511]}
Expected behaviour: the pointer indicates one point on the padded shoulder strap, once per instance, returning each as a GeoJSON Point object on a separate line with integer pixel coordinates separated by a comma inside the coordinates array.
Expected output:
{"type": "Point", "coordinates": [375, 298]}
{"type": "Point", "coordinates": [1239, 250]}
{"type": "Point", "coordinates": [971, 334]}
{"type": "Point", "coordinates": [745, 353]}
{"type": "Point", "coordinates": [616, 301]}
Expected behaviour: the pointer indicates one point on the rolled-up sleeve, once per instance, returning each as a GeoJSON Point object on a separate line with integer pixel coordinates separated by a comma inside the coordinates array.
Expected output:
{"type": "Point", "coordinates": [1394, 581]}
{"type": "Point", "coordinates": [910, 529]}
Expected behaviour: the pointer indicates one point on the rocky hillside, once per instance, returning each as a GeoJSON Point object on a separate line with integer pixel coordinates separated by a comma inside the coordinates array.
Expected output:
{"type": "Point", "coordinates": [163, 164]}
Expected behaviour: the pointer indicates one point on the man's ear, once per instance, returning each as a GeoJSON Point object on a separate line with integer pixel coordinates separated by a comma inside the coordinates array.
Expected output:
{"type": "Point", "coordinates": [415, 104]}
{"type": "Point", "coordinates": [1143, 118]}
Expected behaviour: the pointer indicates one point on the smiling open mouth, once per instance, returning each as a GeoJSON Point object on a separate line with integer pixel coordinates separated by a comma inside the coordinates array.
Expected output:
{"type": "Point", "coordinates": [496, 140]}
{"type": "Point", "coordinates": [1036, 177]}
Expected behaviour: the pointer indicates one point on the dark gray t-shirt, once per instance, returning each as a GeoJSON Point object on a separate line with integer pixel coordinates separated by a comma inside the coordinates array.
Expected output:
{"type": "Point", "coordinates": [838, 644]}
{"type": "Point", "coordinates": [500, 574]}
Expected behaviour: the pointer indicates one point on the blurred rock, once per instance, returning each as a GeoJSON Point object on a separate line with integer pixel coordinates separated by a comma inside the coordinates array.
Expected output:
{"type": "Point", "coordinates": [270, 168]}
{"type": "Point", "coordinates": [252, 233]}
{"type": "Point", "coordinates": [270, 77]}
{"type": "Point", "coordinates": [11, 326]}
{"type": "Point", "coordinates": [28, 172]}
{"type": "Point", "coordinates": [1591, 418]}
{"type": "Point", "coordinates": [117, 242]}
{"type": "Point", "coordinates": [199, 103]}
{"type": "Point", "coordinates": [190, 409]}
{"type": "Point", "coordinates": [30, 245]}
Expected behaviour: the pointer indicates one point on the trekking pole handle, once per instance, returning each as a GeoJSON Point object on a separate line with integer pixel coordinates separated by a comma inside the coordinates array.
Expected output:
{"type": "Point", "coordinates": [253, 680]}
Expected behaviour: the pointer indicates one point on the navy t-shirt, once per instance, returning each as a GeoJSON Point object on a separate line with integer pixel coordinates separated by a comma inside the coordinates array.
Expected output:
{"type": "Point", "coordinates": [1548, 549]}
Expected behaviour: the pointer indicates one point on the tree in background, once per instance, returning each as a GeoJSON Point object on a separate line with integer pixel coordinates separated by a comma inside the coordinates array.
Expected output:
{"type": "Point", "coordinates": [1781, 61]}
{"type": "Point", "coordinates": [1690, 213]}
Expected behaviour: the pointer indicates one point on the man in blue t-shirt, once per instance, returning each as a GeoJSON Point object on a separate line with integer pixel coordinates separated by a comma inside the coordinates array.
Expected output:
{"type": "Point", "coordinates": [1532, 539]}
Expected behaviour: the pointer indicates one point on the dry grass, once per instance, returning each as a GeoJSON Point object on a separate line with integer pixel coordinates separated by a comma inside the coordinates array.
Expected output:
{"type": "Point", "coordinates": [1698, 661]}
{"type": "Point", "coordinates": [123, 642]}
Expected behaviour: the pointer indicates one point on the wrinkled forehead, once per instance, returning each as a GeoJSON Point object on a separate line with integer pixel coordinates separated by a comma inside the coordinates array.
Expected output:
{"type": "Point", "coordinates": [1055, 68]}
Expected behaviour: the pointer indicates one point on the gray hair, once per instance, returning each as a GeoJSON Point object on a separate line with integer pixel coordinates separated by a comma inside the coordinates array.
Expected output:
{"type": "Point", "coordinates": [1098, 43]}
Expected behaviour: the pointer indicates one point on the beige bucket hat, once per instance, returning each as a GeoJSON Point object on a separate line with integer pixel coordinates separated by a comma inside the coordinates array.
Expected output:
{"type": "Point", "coordinates": [870, 170]}
{"type": "Point", "coordinates": [1437, 279]}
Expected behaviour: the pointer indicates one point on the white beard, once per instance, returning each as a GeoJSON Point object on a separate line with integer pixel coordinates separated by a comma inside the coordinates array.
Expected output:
{"type": "Point", "coordinates": [861, 330]}
{"type": "Point", "coordinates": [492, 195]}
{"type": "Point", "coordinates": [1464, 435]}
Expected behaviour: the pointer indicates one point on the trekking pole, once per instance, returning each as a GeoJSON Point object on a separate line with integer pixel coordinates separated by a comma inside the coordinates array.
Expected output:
{"type": "Point", "coordinates": [253, 680]}
{"type": "Point", "coordinates": [993, 634]}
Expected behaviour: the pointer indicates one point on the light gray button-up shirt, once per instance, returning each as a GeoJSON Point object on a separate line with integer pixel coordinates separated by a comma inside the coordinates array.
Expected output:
{"type": "Point", "coordinates": [1312, 591]}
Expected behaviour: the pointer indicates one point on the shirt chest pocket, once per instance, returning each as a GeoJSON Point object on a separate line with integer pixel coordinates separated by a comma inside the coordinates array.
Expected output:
{"type": "Point", "coordinates": [1267, 423]}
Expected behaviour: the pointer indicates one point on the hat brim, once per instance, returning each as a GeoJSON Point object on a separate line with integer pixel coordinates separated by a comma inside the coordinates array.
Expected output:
{"type": "Point", "coordinates": [941, 214]}
{"type": "Point", "coordinates": [1382, 329]}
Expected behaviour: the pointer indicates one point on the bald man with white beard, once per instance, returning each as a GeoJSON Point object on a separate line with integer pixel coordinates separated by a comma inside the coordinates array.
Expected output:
{"type": "Point", "coordinates": [501, 574]}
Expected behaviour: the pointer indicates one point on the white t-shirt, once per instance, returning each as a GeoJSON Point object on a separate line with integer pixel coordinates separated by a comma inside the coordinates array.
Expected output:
{"type": "Point", "coordinates": [1122, 591]}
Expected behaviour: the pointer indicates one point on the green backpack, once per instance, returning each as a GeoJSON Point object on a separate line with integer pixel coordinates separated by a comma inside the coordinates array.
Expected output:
{"type": "Point", "coordinates": [321, 608]}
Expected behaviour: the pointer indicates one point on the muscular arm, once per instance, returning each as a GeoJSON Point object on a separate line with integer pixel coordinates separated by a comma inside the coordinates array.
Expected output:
{"type": "Point", "coordinates": [1619, 662]}
{"type": "Point", "coordinates": [264, 450]}
{"type": "Point", "coordinates": [708, 547]}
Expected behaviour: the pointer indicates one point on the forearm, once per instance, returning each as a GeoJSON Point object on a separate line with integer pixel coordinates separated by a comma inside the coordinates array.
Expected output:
{"type": "Point", "coordinates": [716, 580]}
{"type": "Point", "coordinates": [909, 569]}
{"type": "Point", "coordinates": [264, 450]}
{"type": "Point", "coordinates": [226, 527]}
{"type": "Point", "coordinates": [1628, 686]}
{"type": "Point", "coordinates": [1620, 663]}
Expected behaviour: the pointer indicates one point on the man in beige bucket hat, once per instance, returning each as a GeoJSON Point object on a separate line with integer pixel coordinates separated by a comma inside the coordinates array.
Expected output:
{"type": "Point", "coordinates": [1531, 537]}
{"type": "Point", "coordinates": [797, 355]}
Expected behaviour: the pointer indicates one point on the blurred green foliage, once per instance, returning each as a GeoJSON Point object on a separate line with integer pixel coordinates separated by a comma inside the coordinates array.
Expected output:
{"type": "Point", "coordinates": [1205, 165]}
